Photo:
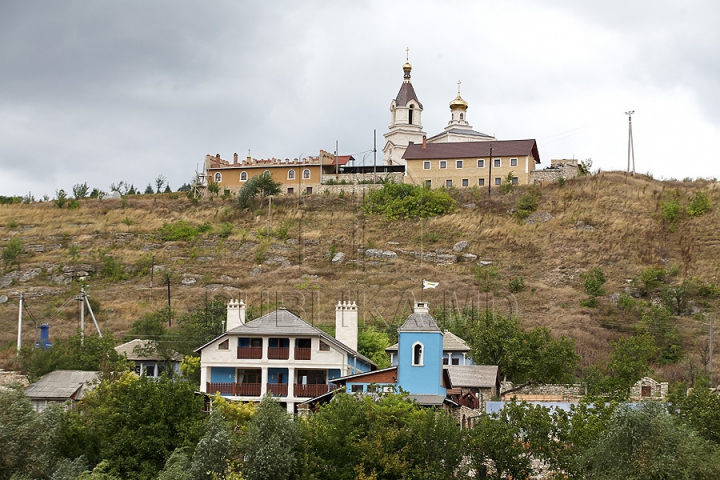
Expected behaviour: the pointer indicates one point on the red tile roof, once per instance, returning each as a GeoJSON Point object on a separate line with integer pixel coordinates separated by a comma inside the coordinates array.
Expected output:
{"type": "Point", "coordinates": [505, 148]}
{"type": "Point", "coordinates": [342, 159]}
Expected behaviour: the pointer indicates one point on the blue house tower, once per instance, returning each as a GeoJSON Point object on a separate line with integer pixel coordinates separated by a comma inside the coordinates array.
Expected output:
{"type": "Point", "coordinates": [420, 352]}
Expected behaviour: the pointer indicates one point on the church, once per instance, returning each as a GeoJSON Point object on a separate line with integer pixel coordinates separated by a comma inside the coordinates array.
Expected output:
{"type": "Point", "coordinates": [456, 157]}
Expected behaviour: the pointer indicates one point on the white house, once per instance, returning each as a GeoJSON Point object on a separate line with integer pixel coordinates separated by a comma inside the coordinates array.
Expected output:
{"type": "Point", "coordinates": [282, 354]}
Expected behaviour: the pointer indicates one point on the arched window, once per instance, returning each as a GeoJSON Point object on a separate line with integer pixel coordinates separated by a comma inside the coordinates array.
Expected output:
{"type": "Point", "coordinates": [291, 174]}
{"type": "Point", "coordinates": [306, 173]}
{"type": "Point", "coordinates": [417, 354]}
{"type": "Point", "coordinates": [218, 177]}
{"type": "Point", "coordinates": [410, 114]}
{"type": "Point", "coordinates": [461, 116]}
{"type": "Point", "coordinates": [243, 176]}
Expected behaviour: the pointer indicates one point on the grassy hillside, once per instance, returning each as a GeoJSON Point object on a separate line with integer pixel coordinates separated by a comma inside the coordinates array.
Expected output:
{"type": "Point", "coordinates": [612, 221]}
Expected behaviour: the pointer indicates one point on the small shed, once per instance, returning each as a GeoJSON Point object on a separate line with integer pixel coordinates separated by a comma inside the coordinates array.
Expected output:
{"type": "Point", "coordinates": [61, 387]}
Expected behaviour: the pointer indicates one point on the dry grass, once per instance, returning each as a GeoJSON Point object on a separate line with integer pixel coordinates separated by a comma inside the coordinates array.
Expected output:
{"type": "Point", "coordinates": [626, 236]}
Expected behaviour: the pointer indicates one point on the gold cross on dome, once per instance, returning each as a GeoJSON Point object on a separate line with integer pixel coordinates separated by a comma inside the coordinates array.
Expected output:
{"type": "Point", "coordinates": [407, 54]}
{"type": "Point", "coordinates": [459, 87]}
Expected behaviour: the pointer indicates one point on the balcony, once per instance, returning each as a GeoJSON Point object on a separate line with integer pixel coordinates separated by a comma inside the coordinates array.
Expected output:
{"type": "Point", "coordinates": [302, 353]}
{"type": "Point", "coordinates": [278, 389]}
{"type": "Point", "coordinates": [235, 389]}
{"type": "Point", "coordinates": [300, 390]}
{"type": "Point", "coordinates": [278, 353]}
{"type": "Point", "coordinates": [249, 352]}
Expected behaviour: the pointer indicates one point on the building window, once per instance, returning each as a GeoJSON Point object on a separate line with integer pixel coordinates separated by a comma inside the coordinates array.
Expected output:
{"type": "Point", "coordinates": [324, 347]}
{"type": "Point", "coordinates": [417, 354]}
{"type": "Point", "coordinates": [306, 174]}
{"type": "Point", "coordinates": [481, 163]}
{"type": "Point", "coordinates": [513, 162]}
{"type": "Point", "coordinates": [410, 114]}
{"type": "Point", "coordinates": [455, 361]}
{"type": "Point", "coordinates": [308, 190]}
{"type": "Point", "coordinates": [426, 165]}
{"type": "Point", "coordinates": [150, 371]}
{"type": "Point", "coordinates": [356, 388]}
{"type": "Point", "coordinates": [224, 345]}
{"type": "Point", "coordinates": [465, 182]}
{"type": "Point", "coordinates": [461, 116]}
{"type": "Point", "coordinates": [428, 183]}
{"type": "Point", "coordinates": [481, 182]}
{"type": "Point", "coordinates": [291, 190]}
{"type": "Point", "coordinates": [243, 176]}
{"type": "Point", "coordinates": [445, 360]}
{"type": "Point", "coordinates": [514, 180]}
{"type": "Point", "coordinates": [443, 164]}
{"type": "Point", "coordinates": [458, 164]}
{"type": "Point", "coordinates": [498, 180]}
{"type": "Point", "coordinates": [291, 174]}
{"type": "Point", "coordinates": [448, 183]}
{"type": "Point", "coordinates": [218, 177]}
{"type": "Point", "coordinates": [496, 162]}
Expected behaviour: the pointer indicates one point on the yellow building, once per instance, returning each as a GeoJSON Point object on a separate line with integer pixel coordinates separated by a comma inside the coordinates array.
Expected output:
{"type": "Point", "coordinates": [467, 164]}
{"type": "Point", "coordinates": [302, 175]}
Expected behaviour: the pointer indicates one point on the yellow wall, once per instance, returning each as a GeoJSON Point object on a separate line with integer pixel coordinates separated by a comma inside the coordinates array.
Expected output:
{"type": "Point", "coordinates": [230, 176]}
{"type": "Point", "coordinates": [418, 175]}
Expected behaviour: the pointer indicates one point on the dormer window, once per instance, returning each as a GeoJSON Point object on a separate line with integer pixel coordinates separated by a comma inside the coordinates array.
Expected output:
{"type": "Point", "coordinates": [417, 354]}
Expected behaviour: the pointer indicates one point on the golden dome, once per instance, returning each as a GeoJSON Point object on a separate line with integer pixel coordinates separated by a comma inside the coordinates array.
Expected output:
{"type": "Point", "coordinates": [407, 67]}
{"type": "Point", "coordinates": [458, 103]}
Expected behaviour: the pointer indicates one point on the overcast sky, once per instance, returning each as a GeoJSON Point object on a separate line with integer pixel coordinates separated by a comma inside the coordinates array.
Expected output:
{"type": "Point", "coordinates": [103, 91]}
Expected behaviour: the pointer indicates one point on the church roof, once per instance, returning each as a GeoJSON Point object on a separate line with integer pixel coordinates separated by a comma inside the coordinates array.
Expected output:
{"type": "Point", "coordinates": [419, 322]}
{"type": "Point", "coordinates": [460, 131]}
{"type": "Point", "coordinates": [451, 343]}
{"type": "Point", "coordinates": [406, 93]}
{"type": "Point", "coordinates": [450, 150]}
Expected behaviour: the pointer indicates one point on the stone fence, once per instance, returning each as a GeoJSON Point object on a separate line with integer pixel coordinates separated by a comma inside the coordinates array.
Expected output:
{"type": "Point", "coordinates": [558, 169]}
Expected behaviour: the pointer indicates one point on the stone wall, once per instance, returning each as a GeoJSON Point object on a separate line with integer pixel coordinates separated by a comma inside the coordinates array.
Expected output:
{"type": "Point", "coordinates": [353, 178]}
{"type": "Point", "coordinates": [545, 392]}
{"type": "Point", "coordinates": [558, 169]}
{"type": "Point", "coordinates": [653, 389]}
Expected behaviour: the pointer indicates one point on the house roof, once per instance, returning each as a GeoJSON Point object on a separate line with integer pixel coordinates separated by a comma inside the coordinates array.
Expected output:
{"type": "Point", "coordinates": [449, 150]}
{"type": "Point", "coordinates": [143, 350]}
{"type": "Point", "coordinates": [480, 376]}
{"type": "Point", "coordinates": [460, 131]}
{"type": "Point", "coordinates": [451, 343]}
{"type": "Point", "coordinates": [419, 322]}
{"type": "Point", "coordinates": [406, 93]}
{"type": "Point", "coordinates": [431, 400]}
{"type": "Point", "coordinates": [282, 321]}
{"type": "Point", "coordinates": [61, 385]}
{"type": "Point", "coordinates": [343, 159]}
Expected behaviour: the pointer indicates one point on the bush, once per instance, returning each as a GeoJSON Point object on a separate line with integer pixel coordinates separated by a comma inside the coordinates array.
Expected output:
{"type": "Point", "coordinates": [226, 230]}
{"type": "Point", "coordinates": [594, 280]}
{"type": "Point", "coordinates": [526, 205]}
{"type": "Point", "coordinates": [402, 200]}
{"type": "Point", "coordinates": [698, 205]}
{"type": "Point", "coordinates": [61, 199]}
{"type": "Point", "coordinates": [111, 268]}
{"type": "Point", "coordinates": [652, 277]}
{"type": "Point", "coordinates": [671, 212]}
{"type": "Point", "coordinates": [11, 252]}
{"type": "Point", "coordinates": [516, 285]}
{"type": "Point", "coordinates": [182, 230]}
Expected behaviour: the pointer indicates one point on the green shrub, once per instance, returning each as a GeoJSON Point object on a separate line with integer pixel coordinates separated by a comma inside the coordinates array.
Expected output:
{"type": "Point", "coordinates": [111, 268]}
{"type": "Point", "coordinates": [526, 205]}
{"type": "Point", "coordinates": [698, 205]}
{"type": "Point", "coordinates": [652, 277]}
{"type": "Point", "coordinates": [626, 302]}
{"type": "Point", "coordinates": [61, 199]}
{"type": "Point", "coordinates": [226, 229]}
{"type": "Point", "coordinates": [561, 181]}
{"type": "Point", "coordinates": [12, 224]}
{"type": "Point", "coordinates": [594, 280]}
{"type": "Point", "coordinates": [590, 302]}
{"type": "Point", "coordinates": [11, 252]}
{"type": "Point", "coordinates": [671, 212]}
{"type": "Point", "coordinates": [402, 200]}
{"type": "Point", "coordinates": [507, 184]}
{"type": "Point", "coordinates": [516, 285]}
{"type": "Point", "coordinates": [182, 230]}
{"type": "Point", "coordinates": [73, 204]}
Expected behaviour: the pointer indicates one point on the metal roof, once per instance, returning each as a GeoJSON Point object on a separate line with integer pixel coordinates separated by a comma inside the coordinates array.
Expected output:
{"type": "Point", "coordinates": [480, 376]}
{"type": "Point", "coordinates": [448, 150]}
{"type": "Point", "coordinates": [406, 93]}
{"type": "Point", "coordinates": [61, 385]}
{"type": "Point", "coordinates": [430, 400]}
{"type": "Point", "coordinates": [460, 131]}
{"type": "Point", "coordinates": [419, 322]}
{"type": "Point", "coordinates": [451, 343]}
{"type": "Point", "coordinates": [284, 322]}
{"type": "Point", "coordinates": [143, 350]}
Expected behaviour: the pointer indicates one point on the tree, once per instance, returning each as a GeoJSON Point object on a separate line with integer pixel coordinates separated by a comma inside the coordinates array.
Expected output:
{"type": "Point", "coordinates": [160, 181]}
{"type": "Point", "coordinates": [80, 190]}
{"type": "Point", "coordinates": [699, 408]}
{"type": "Point", "coordinates": [629, 361]}
{"type": "Point", "coordinates": [60, 198]}
{"type": "Point", "coordinates": [212, 452]}
{"type": "Point", "coordinates": [262, 185]}
{"type": "Point", "coordinates": [593, 282]}
{"type": "Point", "coordinates": [646, 442]}
{"type": "Point", "coordinates": [149, 190]}
{"type": "Point", "coordinates": [201, 324]}
{"type": "Point", "coordinates": [214, 188]}
{"type": "Point", "coordinates": [372, 343]}
{"type": "Point", "coordinates": [402, 200]}
{"type": "Point", "coordinates": [270, 443]}
{"type": "Point", "coordinates": [137, 422]}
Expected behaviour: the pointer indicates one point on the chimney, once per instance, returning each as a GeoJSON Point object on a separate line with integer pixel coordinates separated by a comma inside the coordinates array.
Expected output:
{"type": "Point", "coordinates": [424, 142]}
{"type": "Point", "coordinates": [422, 307]}
{"type": "Point", "coordinates": [235, 159]}
{"type": "Point", "coordinates": [235, 314]}
{"type": "Point", "coordinates": [346, 324]}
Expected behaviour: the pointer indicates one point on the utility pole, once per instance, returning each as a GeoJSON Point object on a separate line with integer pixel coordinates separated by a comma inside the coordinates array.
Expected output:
{"type": "Point", "coordinates": [374, 155]}
{"type": "Point", "coordinates": [82, 314]}
{"type": "Point", "coordinates": [336, 159]}
{"type": "Point", "coordinates": [631, 147]}
{"type": "Point", "coordinates": [168, 292]}
{"type": "Point", "coordinates": [19, 339]}
{"type": "Point", "coordinates": [490, 162]}
{"type": "Point", "coordinates": [711, 349]}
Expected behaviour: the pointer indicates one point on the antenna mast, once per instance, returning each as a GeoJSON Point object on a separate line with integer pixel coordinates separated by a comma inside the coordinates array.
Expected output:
{"type": "Point", "coordinates": [631, 147]}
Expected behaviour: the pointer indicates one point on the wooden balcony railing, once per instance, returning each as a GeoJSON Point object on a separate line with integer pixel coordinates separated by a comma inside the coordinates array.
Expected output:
{"type": "Point", "coordinates": [302, 353]}
{"type": "Point", "coordinates": [300, 390]}
{"type": "Point", "coordinates": [235, 389]}
{"type": "Point", "coordinates": [249, 352]}
{"type": "Point", "coordinates": [278, 389]}
{"type": "Point", "coordinates": [278, 353]}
